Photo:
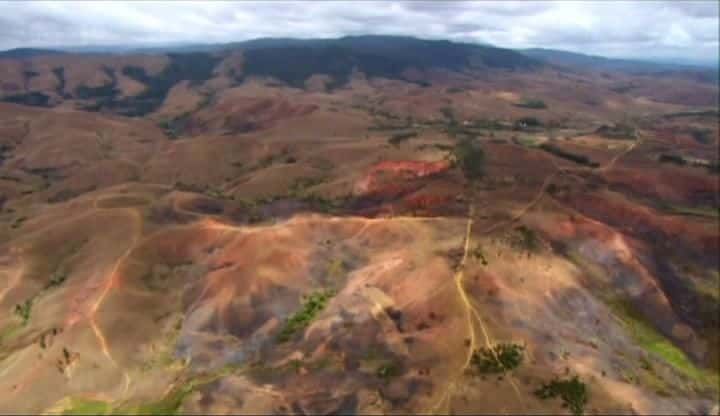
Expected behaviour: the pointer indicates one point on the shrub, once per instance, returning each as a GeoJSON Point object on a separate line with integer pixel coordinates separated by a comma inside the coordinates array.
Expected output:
{"type": "Point", "coordinates": [60, 75]}
{"type": "Point", "coordinates": [57, 278]}
{"type": "Point", "coordinates": [36, 99]}
{"type": "Point", "coordinates": [714, 167]}
{"type": "Point", "coordinates": [528, 238]}
{"type": "Point", "coordinates": [617, 131]}
{"type": "Point", "coordinates": [676, 159]}
{"type": "Point", "coordinates": [313, 304]}
{"type": "Point", "coordinates": [501, 358]}
{"type": "Point", "coordinates": [106, 90]}
{"type": "Point", "coordinates": [527, 122]}
{"type": "Point", "coordinates": [573, 393]}
{"type": "Point", "coordinates": [703, 136]}
{"type": "Point", "coordinates": [23, 310]}
{"type": "Point", "coordinates": [398, 138]}
{"type": "Point", "coordinates": [387, 371]}
{"type": "Point", "coordinates": [532, 103]}
{"type": "Point", "coordinates": [471, 158]}
{"type": "Point", "coordinates": [557, 151]}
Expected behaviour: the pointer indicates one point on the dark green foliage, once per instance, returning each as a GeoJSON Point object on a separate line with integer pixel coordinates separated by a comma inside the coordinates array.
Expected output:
{"type": "Point", "coordinates": [557, 151]}
{"type": "Point", "coordinates": [714, 167]}
{"type": "Point", "coordinates": [194, 67]}
{"type": "Point", "coordinates": [528, 239]}
{"type": "Point", "coordinates": [57, 278]}
{"type": "Point", "coordinates": [668, 158]}
{"type": "Point", "coordinates": [35, 99]}
{"type": "Point", "coordinates": [18, 222]}
{"type": "Point", "coordinates": [573, 393]}
{"type": "Point", "coordinates": [375, 56]}
{"type": "Point", "coordinates": [478, 254]}
{"type": "Point", "coordinates": [388, 370]}
{"type": "Point", "coordinates": [449, 114]}
{"type": "Point", "coordinates": [23, 310]}
{"type": "Point", "coordinates": [470, 157]}
{"type": "Point", "coordinates": [104, 91]}
{"type": "Point", "coordinates": [501, 358]}
{"type": "Point", "coordinates": [454, 90]}
{"type": "Point", "coordinates": [398, 138]}
{"type": "Point", "coordinates": [527, 122]}
{"type": "Point", "coordinates": [301, 184]}
{"type": "Point", "coordinates": [333, 61]}
{"type": "Point", "coordinates": [313, 304]}
{"type": "Point", "coordinates": [531, 103]}
{"type": "Point", "coordinates": [703, 136]}
{"type": "Point", "coordinates": [60, 75]}
{"type": "Point", "coordinates": [174, 127]}
{"type": "Point", "coordinates": [622, 89]}
{"type": "Point", "coordinates": [487, 124]}
{"type": "Point", "coordinates": [617, 131]}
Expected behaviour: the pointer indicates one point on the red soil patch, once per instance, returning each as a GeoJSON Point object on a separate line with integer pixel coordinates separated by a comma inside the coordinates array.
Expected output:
{"type": "Point", "coordinates": [388, 177]}
{"type": "Point", "coordinates": [643, 220]}
{"type": "Point", "coordinates": [673, 184]}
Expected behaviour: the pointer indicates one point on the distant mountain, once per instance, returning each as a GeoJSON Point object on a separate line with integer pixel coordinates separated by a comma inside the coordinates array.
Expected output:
{"type": "Point", "coordinates": [20, 53]}
{"type": "Point", "coordinates": [376, 56]}
{"type": "Point", "coordinates": [603, 63]}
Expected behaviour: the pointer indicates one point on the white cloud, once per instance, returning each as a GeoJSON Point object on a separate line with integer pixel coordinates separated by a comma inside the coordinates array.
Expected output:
{"type": "Point", "coordinates": [687, 29]}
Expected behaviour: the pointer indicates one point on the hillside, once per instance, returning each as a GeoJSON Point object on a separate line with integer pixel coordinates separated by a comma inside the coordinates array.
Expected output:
{"type": "Point", "coordinates": [368, 225]}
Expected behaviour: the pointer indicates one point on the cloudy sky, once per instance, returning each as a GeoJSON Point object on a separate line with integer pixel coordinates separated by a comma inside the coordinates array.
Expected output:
{"type": "Point", "coordinates": [643, 29]}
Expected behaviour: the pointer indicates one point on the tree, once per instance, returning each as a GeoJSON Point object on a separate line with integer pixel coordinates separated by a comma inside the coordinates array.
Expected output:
{"type": "Point", "coordinates": [470, 157]}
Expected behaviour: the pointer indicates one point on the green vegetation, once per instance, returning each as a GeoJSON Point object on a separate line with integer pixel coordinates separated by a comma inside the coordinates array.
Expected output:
{"type": "Point", "coordinates": [324, 204]}
{"type": "Point", "coordinates": [167, 405]}
{"type": "Point", "coordinates": [574, 157]}
{"type": "Point", "coordinates": [528, 239]}
{"type": "Point", "coordinates": [18, 222]}
{"type": "Point", "coordinates": [532, 103]}
{"type": "Point", "coordinates": [676, 159]}
{"type": "Point", "coordinates": [703, 136]}
{"type": "Point", "coordinates": [696, 211]}
{"type": "Point", "coordinates": [620, 131]}
{"type": "Point", "coordinates": [36, 99]}
{"type": "Point", "coordinates": [195, 67]}
{"type": "Point", "coordinates": [80, 406]}
{"type": "Point", "coordinates": [655, 343]}
{"type": "Point", "coordinates": [398, 138]}
{"type": "Point", "coordinates": [374, 56]}
{"type": "Point", "coordinates": [60, 75]}
{"type": "Point", "coordinates": [455, 90]}
{"type": "Point", "coordinates": [525, 122]}
{"type": "Point", "coordinates": [108, 90]}
{"type": "Point", "coordinates": [312, 304]}
{"type": "Point", "coordinates": [301, 184]}
{"type": "Point", "coordinates": [56, 279]}
{"type": "Point", "coordinates": [335, 269]}
{"type": "Point", "coordinates": [449, 114]}
{"type": "Point", "coordinates": [217, 193]}
{"type": "Point", "coordinates": [525, 141]}
{"type": "Point", "coordinates": [498, 359]}
{"type": "Point", "coordinates": [8, 331]}
{"type": "Point", "coordinates": [175, 126]}
{"type": "Point", "coordinates": [572, 391]}
{"type": "Point", "coordinates": [478, 254]}
{"type": "Point", "coordinates": [714, 167]}
{"type": "Point", "coordinates": [22, 310]}
{"type": "Point", "coordinates": [388, 370]}
{"type": "Point", "coordinates": [470, 157]}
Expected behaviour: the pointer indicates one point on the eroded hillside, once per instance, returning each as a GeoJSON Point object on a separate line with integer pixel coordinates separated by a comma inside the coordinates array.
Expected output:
{"type": "Point", "coordinates": [432, 240]}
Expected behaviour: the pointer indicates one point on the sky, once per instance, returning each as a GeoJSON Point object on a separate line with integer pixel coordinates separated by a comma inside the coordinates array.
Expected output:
{"type": "Point", "coordinates": [667, 30]}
